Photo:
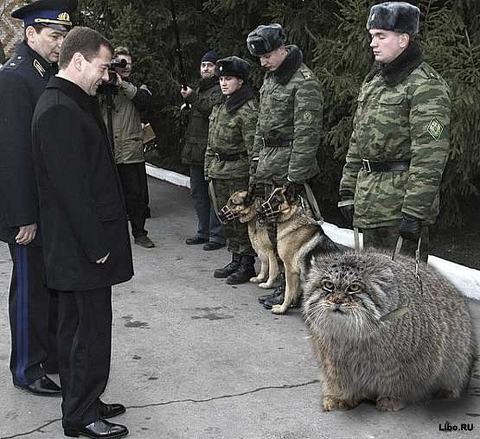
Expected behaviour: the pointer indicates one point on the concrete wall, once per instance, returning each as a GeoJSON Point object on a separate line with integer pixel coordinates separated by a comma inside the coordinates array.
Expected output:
{"type": "Point", "coordinates": [11, 29]}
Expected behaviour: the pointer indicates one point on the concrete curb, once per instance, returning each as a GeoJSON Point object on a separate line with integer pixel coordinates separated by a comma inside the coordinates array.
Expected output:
{"type": "Point", "coordinates": [467, 280]}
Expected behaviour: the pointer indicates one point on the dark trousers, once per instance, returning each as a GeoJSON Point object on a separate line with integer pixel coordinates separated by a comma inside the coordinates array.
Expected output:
{"type": "Point", "coordinates": [133, 178]}
{"type": "Point", "coordinates": [33, 312]}
{"type": "Point", "coordinates": [385, 238]}
{"type": "Point", "coordinates": [209, 227]}
{"type": "Point", "coordinates": [235, 232]}
{"type": "Point", "coordinates": [84, 347]}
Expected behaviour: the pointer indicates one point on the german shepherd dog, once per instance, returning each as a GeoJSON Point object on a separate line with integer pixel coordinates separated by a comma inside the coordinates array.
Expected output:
{"type": "Point", "coordinates": [242, 207]}
{"type": "Point", "coordinates": [299, 239]}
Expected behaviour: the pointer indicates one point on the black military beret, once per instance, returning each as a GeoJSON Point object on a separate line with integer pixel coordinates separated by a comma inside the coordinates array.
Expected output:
{"type": "Point", "coordinates": [232, 66]}
{"type": "Point", "coordinates": [395, 16]}
{"type": "Point", "coordinates": [51, 13]}
{"type": "Point", "coordinates": [265, 39]}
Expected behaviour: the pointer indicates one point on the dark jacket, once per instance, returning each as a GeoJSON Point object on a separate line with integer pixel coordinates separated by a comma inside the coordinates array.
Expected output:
{"type": "Point", "coordinates": [205, 97]}
{"type": "Point", "coordinates": [22, 80]}
{"type": "Point", "coordinates": [81, 203]}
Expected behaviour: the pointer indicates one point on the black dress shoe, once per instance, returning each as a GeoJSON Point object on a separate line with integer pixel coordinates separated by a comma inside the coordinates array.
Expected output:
{"type": "Point", "coordinates": [107, 411]}
{"type": "Point", "coordinates": [98, 429]}
{"type": "Point", "coordinates": [44, 386]}
{"type": "Point", "coordinates": [213, 246]}
{"type": "Point", "coordinates": [195, 240]}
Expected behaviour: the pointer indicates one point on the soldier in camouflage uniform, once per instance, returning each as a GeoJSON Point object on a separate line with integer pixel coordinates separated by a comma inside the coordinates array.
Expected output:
{"type": "Point", "coordinates": [400, 141]}
{"type": "Point", "coordinates": [289, 122]}
{"type": "Point", "coordinates": [228, 159]}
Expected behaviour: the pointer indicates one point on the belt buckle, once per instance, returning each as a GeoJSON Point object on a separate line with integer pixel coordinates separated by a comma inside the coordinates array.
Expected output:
{"type": "Point", "coordinates": [366, 166]}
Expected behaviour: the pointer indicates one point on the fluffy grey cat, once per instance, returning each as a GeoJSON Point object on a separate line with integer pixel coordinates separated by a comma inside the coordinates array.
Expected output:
{"type": "Point", "coordinates": [381, 334]}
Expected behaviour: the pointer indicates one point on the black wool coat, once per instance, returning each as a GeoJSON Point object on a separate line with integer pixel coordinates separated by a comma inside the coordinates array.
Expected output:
{"type": "Point", "coordinates": [82, 209]}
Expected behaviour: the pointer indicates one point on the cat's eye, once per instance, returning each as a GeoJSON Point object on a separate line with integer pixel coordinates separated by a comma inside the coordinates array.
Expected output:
{"type": "Point", "coordinates": [354, 289]}
{"type": "Point", "coordinates": [327, 285]}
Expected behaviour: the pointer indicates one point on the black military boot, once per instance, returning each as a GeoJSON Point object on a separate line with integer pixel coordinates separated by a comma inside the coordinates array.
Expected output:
{"type": "Point", "coordinates": [278, 291]}
{"type": "Point", "coordinates": [277, 297]}
{"type": "Point", "coordinates": [226, 271]}
{"type": "Point", "coordinates": [244, 272]}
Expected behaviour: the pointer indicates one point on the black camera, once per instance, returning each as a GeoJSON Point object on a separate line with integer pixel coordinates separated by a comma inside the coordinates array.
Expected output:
{"type": "Point", "coordinates": [112, 74]}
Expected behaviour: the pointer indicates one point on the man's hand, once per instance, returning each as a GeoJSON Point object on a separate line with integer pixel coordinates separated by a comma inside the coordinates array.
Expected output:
{"type": "Point", "coordinates": [410, 228]}
{"type": "Point", "coordinates": [119, 79]}
{"type": "Point", "coordinates": [186, 92]}
{"type": "Point", "coordinates": [104, 259]}
{"type": "Point", "coordinates": [26, 234]}
{"type": "Point", "coordinates": [346, 205]}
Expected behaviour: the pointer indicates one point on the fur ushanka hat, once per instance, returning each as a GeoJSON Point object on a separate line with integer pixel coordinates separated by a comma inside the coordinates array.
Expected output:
{"type": "Point", "coordinates": [395, 16]}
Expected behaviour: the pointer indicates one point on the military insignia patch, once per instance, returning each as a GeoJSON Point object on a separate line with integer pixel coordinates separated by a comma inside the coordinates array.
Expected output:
{"type": "Point", "coordinates": [435, 128]}
{"type": "Point", "coordinates": [308, 116]}
{"type": "Point", "coordinates": [39, 67]}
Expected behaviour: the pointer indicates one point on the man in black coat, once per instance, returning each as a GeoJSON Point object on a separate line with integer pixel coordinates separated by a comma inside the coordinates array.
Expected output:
{"type": "Point", "coordinates": [32, 308]}
{"type": "Point", "coordinates": [85, 236]}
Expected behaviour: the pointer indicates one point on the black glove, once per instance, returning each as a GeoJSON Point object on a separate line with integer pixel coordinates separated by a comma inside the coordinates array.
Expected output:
{"type": "Point", "coordinates": [346, 205]}
{"type": "Point", "coordinates": [410, 228]}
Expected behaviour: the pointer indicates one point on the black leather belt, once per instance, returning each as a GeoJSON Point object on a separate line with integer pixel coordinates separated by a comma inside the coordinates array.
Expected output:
{"type": "Point", "coordinates": [276, 143]}
{"type": "Point", "coordinates": [392, 165]}
{"type": "Point", "coordinates": [229, 157]}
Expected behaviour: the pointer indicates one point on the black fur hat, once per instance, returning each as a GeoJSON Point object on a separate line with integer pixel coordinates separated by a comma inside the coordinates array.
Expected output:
{"type": "Point", "coordinates": [232, 66]}
{"type": "Point", "coordinates": [400, 17]}
{"type": "Point", "coordinates": [265, 39]}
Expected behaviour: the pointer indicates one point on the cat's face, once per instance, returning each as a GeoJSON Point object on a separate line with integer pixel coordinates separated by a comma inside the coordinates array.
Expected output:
{"type": "Point", "coordinates": [346, 294]}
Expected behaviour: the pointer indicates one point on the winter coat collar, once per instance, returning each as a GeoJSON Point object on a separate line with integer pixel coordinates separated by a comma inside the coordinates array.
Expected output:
{"type": "Point", "coordinates": [206, 83]}
{"type": "Point", "coordinates": [237, 99]}
{"type": "Point", "coordinates": [74, 91]}
{"type": "Point", "coordinates": [289, 66]}
{"type": "Point", "coordinates": [23, 49]}
{"type": "Point", "coordinates": [395, 72]}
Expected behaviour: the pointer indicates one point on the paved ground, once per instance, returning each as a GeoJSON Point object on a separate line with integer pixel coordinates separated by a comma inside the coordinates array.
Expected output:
{"type": "Point", "coordinates": [196, 359]}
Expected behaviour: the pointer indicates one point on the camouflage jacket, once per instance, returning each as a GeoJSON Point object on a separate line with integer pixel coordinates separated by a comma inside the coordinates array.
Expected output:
{"type": "Point", "coordinates": [203, 99]}
{"type": "Point", "coordinates": [406, 120]}
{"type": "Point", "coordinates": [231, 134]}
{"type": "Point", "coordinates": [291, 107]}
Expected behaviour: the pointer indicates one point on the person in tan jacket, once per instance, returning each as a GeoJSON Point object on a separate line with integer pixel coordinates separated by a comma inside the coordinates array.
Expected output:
{"type": "Point", "coordinates": [131, 106]}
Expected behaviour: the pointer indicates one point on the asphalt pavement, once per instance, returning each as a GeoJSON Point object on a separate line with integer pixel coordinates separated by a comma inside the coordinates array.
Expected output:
{"type": "Point", "coordinates": [194, 358]}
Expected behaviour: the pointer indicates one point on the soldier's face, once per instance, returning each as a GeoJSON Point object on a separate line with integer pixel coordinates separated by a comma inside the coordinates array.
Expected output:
{"type": "Point", "coordinates": [95, 71]}
{"type": "Point", "coordinates": [230, 84]}
{"type": "Point", "coordinates": [271, 61]}
{"type": "Point", "coordinates": [207, 69]}
{"type": "Point", "coordinates": [387, 45]}
{"type": "Point", "coordinates": [46, 43]}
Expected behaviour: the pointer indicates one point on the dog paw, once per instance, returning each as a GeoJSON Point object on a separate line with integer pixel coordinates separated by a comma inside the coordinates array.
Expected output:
{"type": "Point", "coordinates": [256, 280]}
{"type": "Point", "coordinates": [266, 285]}
{"type": "Point", "coordinates": [330, 403]}
{"type": "Point", "coordinates": [387, 404]}
{"type": "Point", "coordinates": [279, 309]}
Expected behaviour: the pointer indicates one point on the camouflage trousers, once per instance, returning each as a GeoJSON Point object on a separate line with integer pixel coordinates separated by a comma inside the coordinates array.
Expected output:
{"type": "Point", "coordinates": [385, 238]}
{"type": "Point", "coordinates": [235, 232]}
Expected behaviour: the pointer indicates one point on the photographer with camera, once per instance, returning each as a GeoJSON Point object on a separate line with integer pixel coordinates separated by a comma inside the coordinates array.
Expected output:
{"type": "Point", "coordinates": [129, 107]}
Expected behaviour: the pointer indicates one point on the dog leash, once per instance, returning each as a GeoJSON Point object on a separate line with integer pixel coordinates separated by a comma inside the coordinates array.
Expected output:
{"type": "Point", "coordinates": [356, 238]}
{"type": "Point", "coordinates": [213, 198]}
{"type": "Point", "coordinates": [313, 203]}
